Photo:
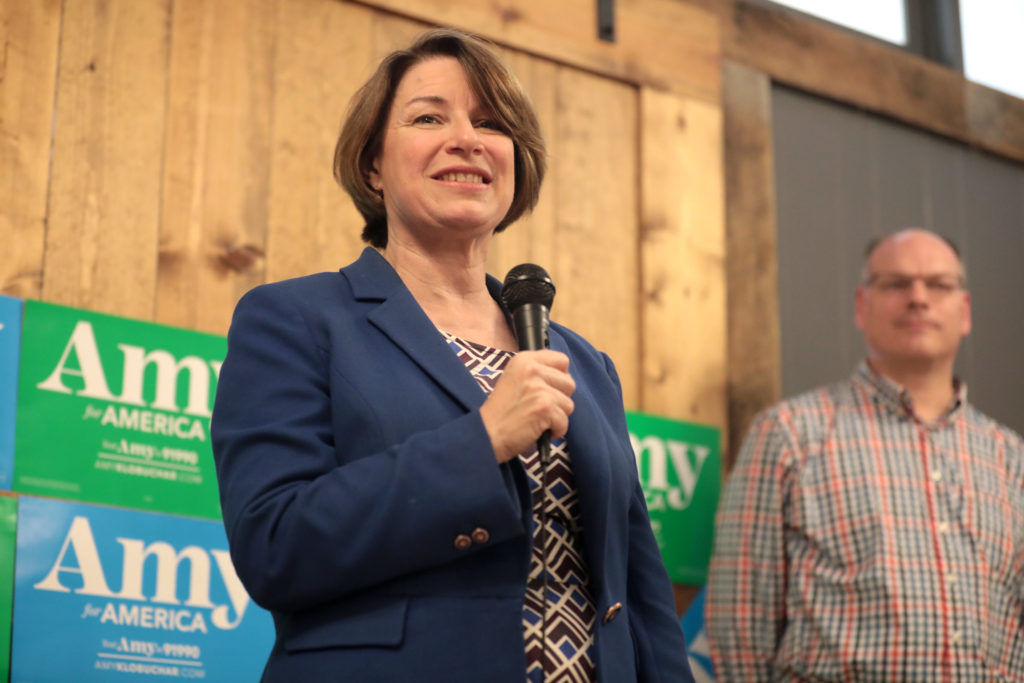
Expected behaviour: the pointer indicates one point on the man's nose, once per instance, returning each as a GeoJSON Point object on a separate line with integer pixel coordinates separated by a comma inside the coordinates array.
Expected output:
{"type": "Point", "coordinates": [918, 290]}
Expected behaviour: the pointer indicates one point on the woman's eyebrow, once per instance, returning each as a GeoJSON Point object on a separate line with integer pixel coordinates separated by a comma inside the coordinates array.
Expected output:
{"type": "Point", "coordinates": [430, 99]}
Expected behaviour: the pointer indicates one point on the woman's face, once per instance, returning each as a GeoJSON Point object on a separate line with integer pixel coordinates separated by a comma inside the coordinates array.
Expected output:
{"type": "Point", "coordinates": [445, 167]}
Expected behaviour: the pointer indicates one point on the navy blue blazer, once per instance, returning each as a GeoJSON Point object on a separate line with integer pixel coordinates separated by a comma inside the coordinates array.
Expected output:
{"type": "Point", "coordinates": [350, 454]}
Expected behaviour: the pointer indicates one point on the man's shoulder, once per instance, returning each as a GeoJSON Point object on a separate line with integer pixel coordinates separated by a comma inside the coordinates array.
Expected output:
{"type": "Point", "coordinates": [990, 425]}
{"type": "Point", "coordinates": [818, 402]}
{"type": "Point", "coordinates": [811, 415]}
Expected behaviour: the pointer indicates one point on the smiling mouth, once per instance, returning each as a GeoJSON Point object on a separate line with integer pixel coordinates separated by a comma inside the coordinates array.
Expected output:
{"type": "Point", "coordinates": [463, 178]}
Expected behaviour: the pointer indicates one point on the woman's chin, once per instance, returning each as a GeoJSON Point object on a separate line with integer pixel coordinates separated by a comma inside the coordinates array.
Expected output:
{"type": "Point", "coordinates": [470, 223]}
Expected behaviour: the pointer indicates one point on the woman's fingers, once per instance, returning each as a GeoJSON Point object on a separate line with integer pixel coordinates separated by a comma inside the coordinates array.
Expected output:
{"type": "Point", "coordinates": [533, 395]}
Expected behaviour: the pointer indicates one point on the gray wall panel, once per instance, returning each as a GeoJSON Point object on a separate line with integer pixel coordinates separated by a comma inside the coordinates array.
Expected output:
{"type": "Point", "coordinates": [843, 176]}
{"type": "Point", "coordinates": [994, 247]}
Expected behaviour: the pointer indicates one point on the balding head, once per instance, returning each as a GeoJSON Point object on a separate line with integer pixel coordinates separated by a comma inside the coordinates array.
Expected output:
{"type": "Point", "coordinates": [919, 235]}
{"type": "Point", "coordinates": [911, 304]}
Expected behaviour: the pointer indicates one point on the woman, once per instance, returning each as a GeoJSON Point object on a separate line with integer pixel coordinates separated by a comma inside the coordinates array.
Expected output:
{"type": "Point", "coordinates": [375, 433]}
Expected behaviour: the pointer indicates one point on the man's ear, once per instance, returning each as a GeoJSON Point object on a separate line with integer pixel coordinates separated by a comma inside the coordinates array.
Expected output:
{"type": "Point", "coordinates": [967, 314]}
{"type": "Point", "coordinates": [858, 307]}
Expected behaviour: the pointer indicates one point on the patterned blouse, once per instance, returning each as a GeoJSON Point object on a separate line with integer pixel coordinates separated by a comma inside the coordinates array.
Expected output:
{"type": "Point", "coordinates": [569, 630]}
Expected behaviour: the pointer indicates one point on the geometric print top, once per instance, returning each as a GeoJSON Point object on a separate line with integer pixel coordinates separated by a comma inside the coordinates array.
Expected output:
{"type": "Point", "coordinates": [571, 613]}
{"type": "Point", "coordinates": [856, 542]}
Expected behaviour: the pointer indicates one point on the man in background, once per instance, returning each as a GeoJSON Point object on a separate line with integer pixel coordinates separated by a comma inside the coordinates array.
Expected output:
{"type": "Point", "coordinates": [873, 529]}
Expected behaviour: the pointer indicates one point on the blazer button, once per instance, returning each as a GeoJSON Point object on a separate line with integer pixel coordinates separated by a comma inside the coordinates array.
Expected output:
{"type": "Point", "coordinates": [612, 612]}
{"type": "Point", "coordinates": [462, 541]}
{"type": "Point", "coordinates": [481, 536]}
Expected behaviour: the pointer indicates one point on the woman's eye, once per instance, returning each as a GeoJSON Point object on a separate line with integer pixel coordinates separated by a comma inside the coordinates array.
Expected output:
{"type": "Point", "coordinates": [491, 125]}
{"type": "Point", "coordinates": [425, 118]}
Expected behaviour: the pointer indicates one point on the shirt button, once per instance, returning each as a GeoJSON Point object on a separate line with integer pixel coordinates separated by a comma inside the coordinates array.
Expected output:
{"type": "Point", "coordinates": [462, 541]}
{"type": "Point", "coordinates": [951, 578]}
{"type": "Point", "coordinates": [481, 536]}
{"type": "Point", "coordinates": [954, 637]}
{"type": "Point", "coordinates": [943, 527]}
{"type": "Point", "coordinates": [936, 476]}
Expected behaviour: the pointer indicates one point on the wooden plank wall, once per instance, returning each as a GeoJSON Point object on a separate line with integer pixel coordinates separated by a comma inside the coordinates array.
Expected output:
{"type": "Point", "coordinates": [30, 38]}
{"type": "Point", "coordinates": [754, 374]}
{"type": "Point", "coordinates": [160, 157]}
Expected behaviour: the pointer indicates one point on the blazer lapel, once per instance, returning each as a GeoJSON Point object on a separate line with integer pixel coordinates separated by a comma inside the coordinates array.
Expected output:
{"type": "Point", "coordinates": [588, 451]}
{"type": "Point", "coordinates": [401, 319]}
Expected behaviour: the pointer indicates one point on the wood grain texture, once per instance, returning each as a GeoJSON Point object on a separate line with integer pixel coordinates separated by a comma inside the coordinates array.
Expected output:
{"type": "Point", "coordinates": [217, 151]}
{"type": "Point", "coordinates": [324, 51]}
{"type": "Point", "coordinates": [531, 238]}
{"type": "Point", "coordinates": [30, 34]}
{"type": "Point", "coordinates": [665, 44]}
{"type": "Point", "coordinates": [995, 121]}
{"type": "Point", "coordinates": [754, 356]}
{"type": "Point", "coordinates": [683, 259]}
{"type": "Point", "coordinates": [839, 64]}
{"type": "Point", "coordinates": [595, 259]}
{"type": "Point", "coordinates": [104, 207]}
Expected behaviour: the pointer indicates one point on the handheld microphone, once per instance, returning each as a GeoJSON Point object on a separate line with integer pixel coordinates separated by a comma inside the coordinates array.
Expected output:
{"type": "Point", "coordinates": [527, 293]}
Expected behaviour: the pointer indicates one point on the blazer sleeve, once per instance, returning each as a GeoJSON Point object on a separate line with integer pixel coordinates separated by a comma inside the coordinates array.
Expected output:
{"type": "Point", "coordinates": [308, 520]}
{"type": "Point", "coordinates": [657, 631]}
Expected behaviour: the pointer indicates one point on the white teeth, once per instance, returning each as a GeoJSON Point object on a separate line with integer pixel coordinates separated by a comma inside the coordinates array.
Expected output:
{"type": "Point", "coordinates": [463, 177]}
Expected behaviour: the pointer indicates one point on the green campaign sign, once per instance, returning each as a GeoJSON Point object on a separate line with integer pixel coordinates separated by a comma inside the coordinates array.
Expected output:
{"type": "Point", "coordinates": [680, 468]}
{"type": "Point", "coordinates": [8, 525]}
{"type": "Point", "coordinates": [116, 411]}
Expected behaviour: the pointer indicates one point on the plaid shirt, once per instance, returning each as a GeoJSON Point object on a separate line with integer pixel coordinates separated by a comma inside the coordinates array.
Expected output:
{"type": "Point", "coordinates": [855, 542]}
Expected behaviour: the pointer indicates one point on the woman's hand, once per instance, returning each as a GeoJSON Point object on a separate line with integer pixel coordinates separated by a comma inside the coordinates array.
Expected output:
{"type": "Point", "coordinates": [532, 396]}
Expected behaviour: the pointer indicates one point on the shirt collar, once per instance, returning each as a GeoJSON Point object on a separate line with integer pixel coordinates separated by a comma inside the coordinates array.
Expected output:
{"type": "Point", "coordinates": [896, 398]}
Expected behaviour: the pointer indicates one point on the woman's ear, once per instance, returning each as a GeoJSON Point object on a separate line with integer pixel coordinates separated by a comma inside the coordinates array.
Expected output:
{"type": "Point", "coordinates": [373, 178]}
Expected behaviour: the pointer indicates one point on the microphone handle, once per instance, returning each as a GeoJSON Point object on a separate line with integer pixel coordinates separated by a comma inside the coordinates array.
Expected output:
{"type": "Point", "coordinates": [544, 447]}
{"type": "Point", "coordinates": [530, 322]}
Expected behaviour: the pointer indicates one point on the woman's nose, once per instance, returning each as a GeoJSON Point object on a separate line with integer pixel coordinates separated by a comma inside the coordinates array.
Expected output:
{"type": "Point", "coordinates": [465, 136]}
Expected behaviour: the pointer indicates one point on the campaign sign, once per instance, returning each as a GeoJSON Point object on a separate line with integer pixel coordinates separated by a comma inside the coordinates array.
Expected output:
{"type": "Point", "coordinates": [112, 410]}
{"type": "Point", "coordinates": [109, 594]}
{"type": "Point", "coordinates": [680, 470]}
{"type": "Point", "coordinates": [696, 636]}
{"type": "Point", "coordinates": [8, 524]}
{"type": "Point", "coordinates": [10, 338]}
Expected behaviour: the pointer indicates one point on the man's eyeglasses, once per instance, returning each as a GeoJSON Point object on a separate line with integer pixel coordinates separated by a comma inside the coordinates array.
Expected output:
{"type": "Point", "coordinates": [895, 283]}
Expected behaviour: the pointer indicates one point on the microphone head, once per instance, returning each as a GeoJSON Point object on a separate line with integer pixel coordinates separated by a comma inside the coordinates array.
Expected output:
{"type": "Point", "coordinates": [527, 283]}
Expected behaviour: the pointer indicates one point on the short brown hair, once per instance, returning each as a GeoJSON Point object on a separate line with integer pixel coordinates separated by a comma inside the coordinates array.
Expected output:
{"type": "Point", "coordinates": [499, 91]}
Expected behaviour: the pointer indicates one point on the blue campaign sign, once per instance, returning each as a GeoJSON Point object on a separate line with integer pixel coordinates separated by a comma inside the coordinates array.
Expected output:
{"type": "Point", "coordinates": [8, 524]}
{"type": "Point", "coordinates": [697, 640]}
{"type": "Point", "coordinates": [110, 594]}
{"type": "Point", "coordinates": [10, 344]}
